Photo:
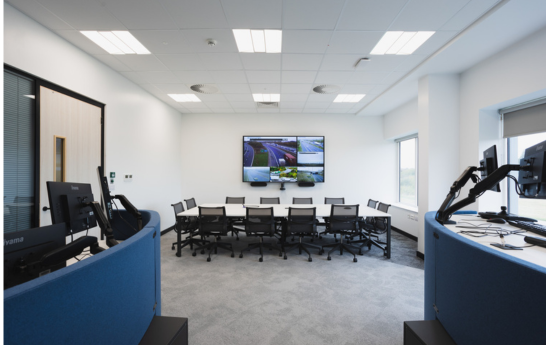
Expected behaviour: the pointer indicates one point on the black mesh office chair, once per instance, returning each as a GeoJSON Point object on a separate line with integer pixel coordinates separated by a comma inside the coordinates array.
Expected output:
{"type": "Point", "coordinates": [270, 201]}
{"type": "Point", "coordinates": [235, 221]}
{"type": "Point", "coordinates": [190, 203]}
{"type": "Point", "coordinates": [213, 222]}
{"type": "Point", "coordinates": [301, 201]}
{"type": "Point", "coordinates": [365, 224]}
{"type": "Point", "coordinates": [260, 222]}
{"type": "Point", "coordinates": [379, 228]}
{"type": "Point", "coordinates": [301, 222]}
{"type": "Point", "coordinates": [343, 221]}
{"type": "Point", "coordinates": [330, 201]}
{"type": "Point", "coordinates": [185, 226]}
{"type": "Point", "coordinates": [235, 200]}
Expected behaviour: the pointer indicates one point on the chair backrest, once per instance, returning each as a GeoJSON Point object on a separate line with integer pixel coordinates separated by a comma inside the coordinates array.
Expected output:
{"type": "Point", "coordinates": [383, 207]}
{"type": "Point", "coordinates": [301, 220]}
{"type": "Point", "coordinates": [307, 201]}
{"type": "Point", "coordinates": [380, 223]}
{"type": "Point", "coordinates": [270, 201]}
{"type": "Point", "coordinates": [212, 220]}
{"type": "Point", "coordinates": [344, 217]}
{"type": "Point", "coordinates": [235, 200]}
{"type": "Point", "coordinates": [259, 221]}
{"type": "Point", "coordinates": [334, 200]}
{"type": "Point", "coordinates": [372, 203]}
{"type": "Point", "coordinates": [190, 203]}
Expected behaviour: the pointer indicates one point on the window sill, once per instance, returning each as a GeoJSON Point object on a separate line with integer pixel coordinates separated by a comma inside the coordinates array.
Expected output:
{"type": "Point", "coordinates": [406, 207]}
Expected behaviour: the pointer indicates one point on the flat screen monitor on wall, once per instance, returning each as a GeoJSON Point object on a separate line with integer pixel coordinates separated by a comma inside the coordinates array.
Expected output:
{"type": "Point", "coordinates": [283, 159]}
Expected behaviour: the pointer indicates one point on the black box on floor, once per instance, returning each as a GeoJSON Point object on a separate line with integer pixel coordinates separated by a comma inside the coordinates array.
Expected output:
{"type": "Point", "coordinates": [165, 330]}
{"type": "Point", "coordinates": [426, 333]}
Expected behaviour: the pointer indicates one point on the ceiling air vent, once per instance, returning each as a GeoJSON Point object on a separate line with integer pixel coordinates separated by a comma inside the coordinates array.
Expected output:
{"type": "Point", "coordinates": [327, 89]}
{"type": "Point", "coordinates": [202, 88]}
{"type": "Point", "coordinates": [268, 105]}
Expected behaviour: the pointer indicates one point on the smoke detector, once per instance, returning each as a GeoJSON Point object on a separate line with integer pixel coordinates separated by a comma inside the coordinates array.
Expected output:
{"type": "Point", "coordinates": [326, 89]}
{"type": "Point", "coordinates": [268, 105]}
{"type": "Point", "coordinates": [202, 88]}
{"type": "Point", "coordinates": [211, 42]}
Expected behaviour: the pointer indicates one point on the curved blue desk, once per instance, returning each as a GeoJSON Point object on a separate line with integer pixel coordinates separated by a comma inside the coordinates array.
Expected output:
{"type": "Point", "coordinates": [109, 298]}
{"type": "Point", "coordinates": [481, 295]}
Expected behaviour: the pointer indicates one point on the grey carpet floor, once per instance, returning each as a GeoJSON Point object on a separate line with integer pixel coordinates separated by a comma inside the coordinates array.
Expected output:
{"type": "Point", "coordinates": [243, 301]}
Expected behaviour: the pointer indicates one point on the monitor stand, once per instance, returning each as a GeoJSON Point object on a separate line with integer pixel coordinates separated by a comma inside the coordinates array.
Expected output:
{"type": "Point", "coordinates": [504, 215]}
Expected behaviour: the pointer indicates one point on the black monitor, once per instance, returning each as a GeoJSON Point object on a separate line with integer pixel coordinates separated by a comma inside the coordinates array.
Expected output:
{"type": "Point", "coordinates": [533, 180]}
{"type": "Point", "coordinates": [105, 193]}
{"type": "Point", "coordinates": [66, 200]}
{"type": "Point", "coordinates": [24, 250]}
{"type": "Point", "coordinates": [488, 164]}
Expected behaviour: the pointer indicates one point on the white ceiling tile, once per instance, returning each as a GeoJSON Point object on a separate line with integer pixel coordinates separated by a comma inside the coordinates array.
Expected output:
{"type": "Point", "coordinates": [211, 97]}
{"type": "Point", "coordinates": [206, 14]}
{"type": "Point", "coordinates": [256, 14]}
{"type": "Point", "coordinates": [290, 104]}
{"type": "Point", "coordinates": [383, 63]}
{"type": "Point", "coordinates": [311, 14]}
{"type": "Point", "coordinates": [229, 77]}
{"type": "Point", "coordinates": [112, 62]}
{"type": "Point", "coordinates": [305, 41]}
{"type": "Point", "coordinates": [200, 111]}
{"type": "Point", "coordinates": [239, 97]}
{"type": "Point", "coordinates": [140, 14]}
{"type": "Point", "coordinates": [294, 97]}
{"type": "Point", "coordinates": [298, 77]}
{"type": "Point", "coordinates": [174, 88]}
{"type": "Point", "coordinates": [246, 111]}
{"type": "Point", "coordinates": [159, 77]}
{"type": "Point", "coordinates": [393, 77]}
{"type": "Point", "coordinates": [291, 111]}
{"type": "Point", "coordinates": [356, 88]}
{"type": "Point", "coordinates": [261, 61]}
{"type": "Point", "coordinates": [135, 77]}
{"type": "Point", "coordinates": [182, 62]}
{"type": "Point", "coordinates": [435, 42]}
{"type": "Point", "coordinates": [195, 105]}
{"type": "Point", "coordinates": [235, 89]}
{"type": "Point", "coordinates": [194, 77]}
{"type": "Point", "coordinates": [325, 77]}
{"type": "Point", "coordinates": [341, 105]}
{"type": "Point", "coordinates": [39, 13]}
{"type": "Point", "coordinates": [154, 90]}
{"type": "Point", "coordinates": [368, 77]}
{"type": "Point", "coordinates": [369, 15]}
{"type": "Point", "coordinates": [334, 111]}
{"type": "Point", "coordinates": [321, 98]}
{"type": "Point", "coordinates": [260, 110]}
{"type": "Point", "coordinates": [317, 105]}
{"type": "Point", "coordinates": [222, 110]}
{"type": "Point", "coordinates": [142, 62]}
{"type": "Point", "coordinates": [314, 110]}
{"type": "Point", "coordinates": [472, 11]}
{"type": "Point", "coordinates": [221, 61]}
{"type": "Point", "coordinates": [79, 40]}
{"type": "Point", "coordinates": [243, 105]}
{"type": "Point", "coordinates": [297, 88]}
{"type": "Point", "coordinates": [263, 77]}
{"type": "Point", "coordinates": [83, 14]}
{"type": "Point", "coordinates": [301, 62]}
{"type": "Point", "coordinates": [410, 62]}
{"type": "Point", "coordinates": [197, 40]}
{"type": "Point", "coordinates": [426, 15]}
{"type": "Point", "coordinates": [339, 62]}
{"type": "Point", "coordinates": [378, 89]}
{"type": "Point", "coordinates": [265, 88]}
{"type": "Point", "coordinates": [218, 105]}
{"type": "Point", "coordinates": [354, 42]}
{"type": "Point", "coordinates": [163, 41]}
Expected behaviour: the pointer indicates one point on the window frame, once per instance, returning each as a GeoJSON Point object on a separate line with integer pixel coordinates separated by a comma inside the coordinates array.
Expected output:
{"type": "Point", "coordinates": [399, 141]}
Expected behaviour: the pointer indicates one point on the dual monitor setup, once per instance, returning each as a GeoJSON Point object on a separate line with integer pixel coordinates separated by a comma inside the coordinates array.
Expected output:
{"type": "Point", "coordinates": [283, 159]}
{"type": "Point", "coordinates": [31, 253]}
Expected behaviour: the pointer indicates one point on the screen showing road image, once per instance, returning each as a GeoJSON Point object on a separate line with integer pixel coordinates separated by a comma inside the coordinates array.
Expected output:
{"type": "Point", "coordinates": [310, 174]}
{"type": "Point", "coordinates": [310, 151]}
{"type": "Point", "coordinates": [269, 151]}
{"type": "Point", "coordinates": [284, 174]}
{"type": "Point", "coordinates": [256, 174]}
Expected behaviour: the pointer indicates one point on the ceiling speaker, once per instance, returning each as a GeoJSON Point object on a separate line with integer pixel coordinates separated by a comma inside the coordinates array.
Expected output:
{"type": "Point", "coordinates": [326, 89]}
{"type": "Point", "coordinates": [202, 88]}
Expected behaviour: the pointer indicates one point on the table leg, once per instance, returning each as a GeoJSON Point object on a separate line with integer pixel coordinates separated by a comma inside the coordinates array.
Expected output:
{"type": "Point", "coordinates": [178, 243]}
{"type": "Point", "coordinates": [388, 237]}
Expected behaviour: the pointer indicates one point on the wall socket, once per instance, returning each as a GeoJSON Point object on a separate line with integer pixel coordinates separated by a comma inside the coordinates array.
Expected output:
{"type": "Point", "coordinates": [128, 178]}
{"type": "Point", "coordinates": [413, 217]}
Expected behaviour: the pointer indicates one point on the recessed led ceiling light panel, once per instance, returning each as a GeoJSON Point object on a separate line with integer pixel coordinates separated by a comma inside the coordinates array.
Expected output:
{"type": "Point", "coordinates": [116, 42]}
{"type": "Point", "coordinates": [344, 98]}
{"type": "Point", "coordinates": [185, 97]}
{"type": "Point", "coordinates": [258, 41]}
{"type": "Point", "coordinates": [266, 97]}
{"type": "Point", "coordinates": [400, 42]}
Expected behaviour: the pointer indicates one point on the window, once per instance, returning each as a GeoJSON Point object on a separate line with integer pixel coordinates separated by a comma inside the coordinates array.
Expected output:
{"type": "Point", "coordinates": [407, 170]}
{"type": "Point", "coordinates": [532, 208]}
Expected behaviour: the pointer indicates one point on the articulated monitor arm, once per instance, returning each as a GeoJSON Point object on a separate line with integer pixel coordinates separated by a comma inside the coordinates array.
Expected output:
{"type": "Point", "coordinates": [103, 222]}
{"type": "Point", "coordinates": [446, 210]}
{"type": "Point", "coordinates": [131, 209]}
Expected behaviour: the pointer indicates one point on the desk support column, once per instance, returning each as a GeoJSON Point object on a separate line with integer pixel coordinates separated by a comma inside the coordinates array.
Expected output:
{"type": "Point", "coordinates": [388, 237]}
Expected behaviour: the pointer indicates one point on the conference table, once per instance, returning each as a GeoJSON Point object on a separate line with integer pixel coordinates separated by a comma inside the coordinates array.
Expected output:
{"type": "Point", "coordinates": [281, 210]}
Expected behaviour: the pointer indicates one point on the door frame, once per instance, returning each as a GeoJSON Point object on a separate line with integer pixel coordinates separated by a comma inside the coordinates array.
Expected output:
{"type": "Point", "coordinates": [38, 82]}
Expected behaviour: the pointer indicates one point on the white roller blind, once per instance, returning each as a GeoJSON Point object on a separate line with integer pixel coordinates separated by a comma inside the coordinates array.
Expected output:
{"type": "Point", "coordinates": [523, 121]}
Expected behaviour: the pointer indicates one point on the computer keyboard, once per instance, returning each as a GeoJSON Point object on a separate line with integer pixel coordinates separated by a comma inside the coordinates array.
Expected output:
{"type": "Point", "coordinates": [529, 226]}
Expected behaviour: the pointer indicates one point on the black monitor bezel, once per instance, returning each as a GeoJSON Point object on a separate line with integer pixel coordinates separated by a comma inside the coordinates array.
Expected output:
{"type": "Point", "coordinates": [489, 168]}
{"type": "Point", "coordinates": [528, 179]}
{"type": "Point", "coordinates": [283, 136]}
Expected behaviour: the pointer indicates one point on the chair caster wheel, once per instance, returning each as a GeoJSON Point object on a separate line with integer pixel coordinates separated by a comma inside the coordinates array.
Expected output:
{"type": "Point", "coordinates": [232, 255]}
{"type": "Point", "coordinates": [355, 260]}
{"type": "Point", "coordinates": [178, 254]}
{"type": "Point", "coordinates": [310, 260]}
{"type": "Point", "coordinates": [208, 259]}
{"type": "Point", "coordinates": [285, 257]}
{"type": "Point", "coordinates": [329, 258]}
{"type": "Point", "coordinates": [193, 254]}
{"type": "Point", "coordinates": [240, 256]}
{"type": "Point", "coordinates": [280, 254]}
{"type": "Point", "coordinates": [203, 252]}
{"type": "Point", "coordinates": [261, 260]}
{"type": "Point", "coordinates": [172, 248]}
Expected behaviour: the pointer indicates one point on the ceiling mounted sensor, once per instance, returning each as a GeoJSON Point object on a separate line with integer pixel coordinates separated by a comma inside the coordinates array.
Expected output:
{"type": "Point", "coordinates": [268, 105]}
{"type": "Point", "coordinates": [202, 88]}
{"type": "Point", "coordinates": [211, 42]}
{"type": "Point", "coordinates": [326, 89]}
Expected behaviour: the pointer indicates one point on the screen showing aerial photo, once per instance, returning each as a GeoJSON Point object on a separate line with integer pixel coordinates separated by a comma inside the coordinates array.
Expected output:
{"type": "Point", "coordinates": [310, 174]}
{"type": "Point", "coordinates": [284, 174]}
{"type": "Point", "coordinates": [269, 151]}
{"type": "Point", "coordinates": [256, 174]}
{"type": "Point", "coordinates": [310, 151]}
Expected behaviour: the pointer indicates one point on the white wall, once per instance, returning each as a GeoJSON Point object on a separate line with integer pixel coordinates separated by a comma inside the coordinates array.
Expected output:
{"type": "Point", "coordinates": [142, 133]}
{"type": "Point", "coordinates": [358, 162]}
{"type": "Point", "coordinates": [402, 121]}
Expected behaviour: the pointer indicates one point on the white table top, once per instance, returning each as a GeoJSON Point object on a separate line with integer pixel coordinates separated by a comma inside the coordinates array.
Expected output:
{"type": "Point", "coordinates": [535, 254]}
{"type": "Point", "coordinates": [281, 210]}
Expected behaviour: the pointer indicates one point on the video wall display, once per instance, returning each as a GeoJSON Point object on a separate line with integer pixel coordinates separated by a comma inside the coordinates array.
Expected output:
{"type": "Point", "coordinates": [283, 159]}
